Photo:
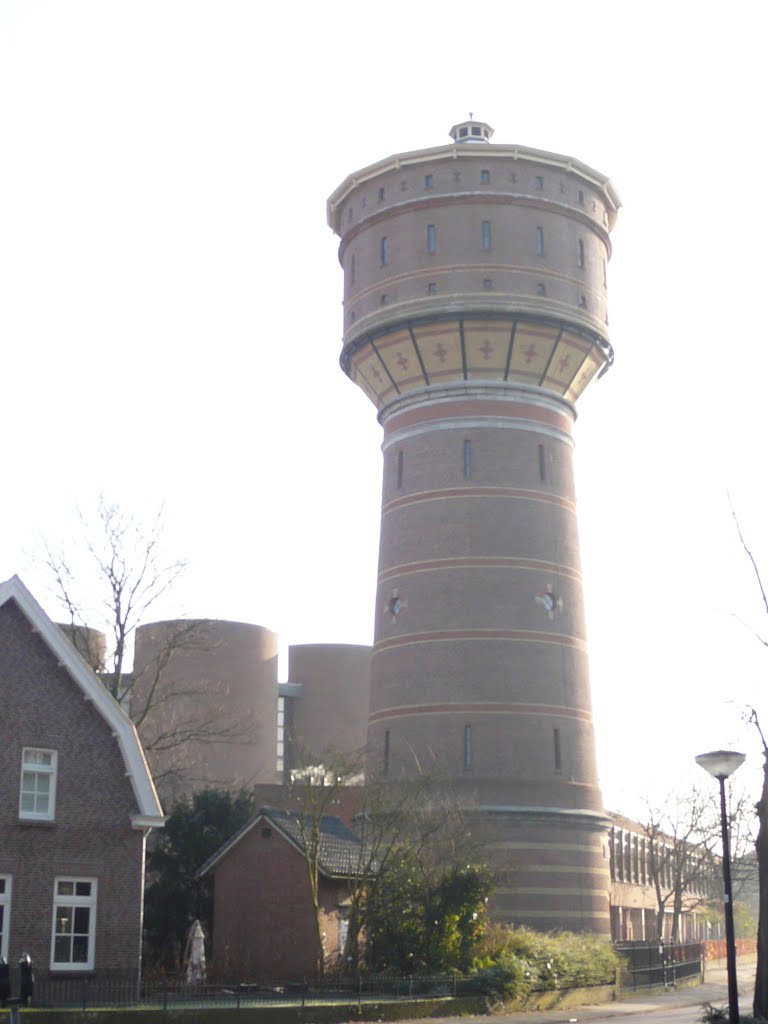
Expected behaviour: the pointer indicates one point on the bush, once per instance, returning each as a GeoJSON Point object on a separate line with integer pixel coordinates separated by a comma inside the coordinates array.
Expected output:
{"type": "Point", "coordinates": [545, 961]}
{"type": "Point", "coordinates": [503, 978]}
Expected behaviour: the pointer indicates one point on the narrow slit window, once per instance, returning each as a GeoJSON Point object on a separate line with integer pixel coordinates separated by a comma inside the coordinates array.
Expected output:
{"type": "Point", "coordinates": [431, 238]}
{"type": "Point", "coordinates": [485, 177]}
{"type": "Point", "coordinates": [381, 195]}
{"type": "Point", "coordinates": [352, 269]}
{"type": "Point", "coordinates": [384, 251]}
{"type": "Point", "coordinates": [542, 464]}
{"type": "Point", "coordinates": [467, 459]}
{"type": "Point", "coordinates": [581, 198]}
{"type": "Point", "coordinates": [539, 241]}
{"type": "Point", "coordinates": [429, 181]}
{"type": "Point", "coordinates": [558, 751]}
{"type": "Point", "coordinates": [486, 234]}
{"type": "Point", "coordinates": [400, 459]}
{"type": "Point", "coordinates": [467, 747]}
{"type": "Point", "coordinates": [539, 183]}
{"type": "Point", "coordinates": [5, 911]}
{"type": "Point", "coordinates": [581, 253]}
{"type": "Point", "coordinates": [386, 752]}
{"type": "Point", "coordinates": [605, 274]}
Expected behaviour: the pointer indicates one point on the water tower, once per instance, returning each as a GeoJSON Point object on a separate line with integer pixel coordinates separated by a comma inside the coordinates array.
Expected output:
{"type": "Point", "coordinates": [475, 315]}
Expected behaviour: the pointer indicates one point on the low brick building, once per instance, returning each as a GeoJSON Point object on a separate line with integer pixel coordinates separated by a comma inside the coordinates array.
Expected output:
{"type": "Point", "coordinates": [263, 918]}
{"type": "Point", "coordinates": [76, 804]}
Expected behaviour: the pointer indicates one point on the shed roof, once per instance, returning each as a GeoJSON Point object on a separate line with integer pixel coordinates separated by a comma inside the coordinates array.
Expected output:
{"type": "Point", "coordinates": [340, 849]}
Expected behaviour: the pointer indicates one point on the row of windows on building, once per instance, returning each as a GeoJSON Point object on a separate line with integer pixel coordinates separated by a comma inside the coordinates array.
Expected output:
{"type": "Point", "coordinates": [466, 463]}
{"type": "Point", "coordinates": [487, 284]}
{"type": "Point", "coordinates": [537, 183]}
{"type": "Point", "coordinates": [469, 751]}
{"type": "Point", "coordinates": [73, 924]}
{"type": "Point", "coordinates": [636, 858]}
{"type": "Point", "coordinates": [385, 251]}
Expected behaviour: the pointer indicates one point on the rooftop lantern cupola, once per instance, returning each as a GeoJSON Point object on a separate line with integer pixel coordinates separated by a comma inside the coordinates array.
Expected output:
{"type": "Point", "coordinates": [471, 131]}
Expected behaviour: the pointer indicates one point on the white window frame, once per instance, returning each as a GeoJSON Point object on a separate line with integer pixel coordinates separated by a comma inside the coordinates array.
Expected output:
{"type": "Point", "coordinates": [33, 769]}
{"type": "Point", "coordinates": [5, 906]}
{"type": "Point", "coordinates": [75, 901]}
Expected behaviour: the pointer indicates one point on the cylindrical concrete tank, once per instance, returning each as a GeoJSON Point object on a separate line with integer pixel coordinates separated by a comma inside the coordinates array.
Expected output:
{"type": "Point", "coordinates": [90, 644]}
{"type": "Point", "coordinates": [209, 690]}
{"type": "Point", "coordinates": [330, 716]}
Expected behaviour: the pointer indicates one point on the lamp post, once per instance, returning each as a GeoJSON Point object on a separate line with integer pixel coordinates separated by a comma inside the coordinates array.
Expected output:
{"type": "Point", "coordinates": [721, 764]}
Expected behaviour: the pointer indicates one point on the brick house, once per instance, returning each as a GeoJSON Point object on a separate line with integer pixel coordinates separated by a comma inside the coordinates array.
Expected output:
{"type": "Point", "coordinates": [263, 918]}
{"type": "Point", "coordinates": [76, 804]}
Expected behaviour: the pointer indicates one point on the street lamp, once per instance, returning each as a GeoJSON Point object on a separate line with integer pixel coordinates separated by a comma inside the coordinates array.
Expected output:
{"type": "Point", "coordinates": [721, 764]}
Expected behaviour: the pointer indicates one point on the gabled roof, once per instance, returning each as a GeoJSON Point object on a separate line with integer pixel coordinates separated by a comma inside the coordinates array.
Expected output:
{"type": "Point", "coordinates": [340, 854]}
{"type": "Point", "coordinates": [150, 814]}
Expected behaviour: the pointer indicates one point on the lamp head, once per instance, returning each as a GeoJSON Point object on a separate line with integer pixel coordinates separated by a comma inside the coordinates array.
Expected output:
{"type": "Point", "coordinates": [721, 763]}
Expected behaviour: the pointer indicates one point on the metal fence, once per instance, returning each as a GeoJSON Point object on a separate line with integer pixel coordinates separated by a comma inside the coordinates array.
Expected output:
{"type": "Point", "coordinates": [120, 989]}
{"type": "Point", "coordinates": [647, 965]}
{"type": "Point", "coordinates": [651, 964]}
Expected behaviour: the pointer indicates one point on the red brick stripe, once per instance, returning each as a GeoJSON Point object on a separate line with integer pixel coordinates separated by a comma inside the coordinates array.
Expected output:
{"type": "Point", "coordinates": [479, 492]}
{"type": "Point", "coordinates": [516, 635]}
{"type": "Point", "coordinates": [488, 562]}
{"type": "Point", "coordinates": [558, 710]}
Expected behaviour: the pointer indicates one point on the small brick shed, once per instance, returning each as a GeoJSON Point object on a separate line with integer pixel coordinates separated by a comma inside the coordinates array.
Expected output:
{"type": "Point", "coordinates": [263, 918]}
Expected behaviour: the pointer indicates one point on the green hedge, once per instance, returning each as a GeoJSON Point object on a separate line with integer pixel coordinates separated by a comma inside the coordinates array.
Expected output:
{"type": "Point", "coordinates": [517, 961]}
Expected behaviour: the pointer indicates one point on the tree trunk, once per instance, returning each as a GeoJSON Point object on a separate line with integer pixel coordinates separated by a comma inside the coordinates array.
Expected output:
{"type": "Point", "coordinates": [760, 1007]}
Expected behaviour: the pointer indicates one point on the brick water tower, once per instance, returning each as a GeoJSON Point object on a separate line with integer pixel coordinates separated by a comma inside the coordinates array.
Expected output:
{"type": "Point", "coordinates": [475, 314]}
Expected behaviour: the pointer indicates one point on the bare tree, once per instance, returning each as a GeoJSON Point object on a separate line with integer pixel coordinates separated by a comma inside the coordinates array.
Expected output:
{"type": "Point", "coordinates": [682, 837]}
{"type": "Point", "coordinates": [760, 1002]}
{"type": "Point", "coordinates": [421, 815]}
{"type": "Point", "coordinates": [127, 574]}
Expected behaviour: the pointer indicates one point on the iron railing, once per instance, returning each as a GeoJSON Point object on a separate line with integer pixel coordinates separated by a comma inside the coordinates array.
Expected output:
{"type": "Point", "coordinates": [651, 964]}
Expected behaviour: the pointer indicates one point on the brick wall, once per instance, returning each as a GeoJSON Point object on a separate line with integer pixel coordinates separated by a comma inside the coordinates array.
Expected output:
{"type": "Point", "coordinates": [263, 926]}
{"type": "Point", "coordinates": [91, 836]}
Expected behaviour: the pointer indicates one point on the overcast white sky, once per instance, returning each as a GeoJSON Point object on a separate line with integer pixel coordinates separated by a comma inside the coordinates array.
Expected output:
{"type": "Point", "coordinates": [170, 310]}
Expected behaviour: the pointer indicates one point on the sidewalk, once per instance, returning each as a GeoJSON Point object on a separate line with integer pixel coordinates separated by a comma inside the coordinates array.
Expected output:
{"type": "Point", "coordinates": [714, 990]}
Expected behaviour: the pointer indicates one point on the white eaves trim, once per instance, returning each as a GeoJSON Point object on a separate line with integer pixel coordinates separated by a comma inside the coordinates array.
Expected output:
{"type": "Point", "coordinates": [149, 812]}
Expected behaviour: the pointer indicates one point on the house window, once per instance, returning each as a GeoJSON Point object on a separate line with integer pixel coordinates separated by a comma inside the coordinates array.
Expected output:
{"type": "Point", "coordinates": [581, 253]}
{"type": "Point", "coordinates": [74, 924]}
{"type": "Point", "coordinates": [581, 198]}
{"type": "Point", "coordinates": [381, 195]}
{"type": "Point", "coordinates": [541, 288]}
{"type": "Point", "coordinates": [384, 252]}
{"type": "Point", "coordinates": [539, 183]}
{"type": "Point", "coordinates": [485, 177]}
{"type": "Point", "coordinates": [429, 181]}
{"type": "Point", "coordinates": [583, 301]}
{"type": "Point", "coordinates": [431, 238]}
{"type": "Point", "coordinates": [432, 288]}
{"type": "Point", "coordinates": [5, 914]}
{"type": "Point", "coordinates": [385, 765]}
{"type": "Point", "coordinates": [539, 241]}
{"type": "Point", "coordinates": [37, 800]}
{"type": "Point", "coordinates": [384, 298]}
{"type": "Point", "coordinates": [487, 283]}
{"type": "Point", "coordinates": [558, 753]}
{"type": "Point", "coordinates": [467, 747]}
{"type": "Point", "coordinates": [486, 234]}
{"type": "Point", "coordinates": [467, 459]}
{"type": "Point", "coordinates": [542, 464]}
